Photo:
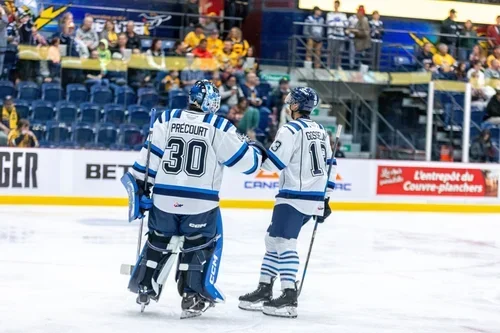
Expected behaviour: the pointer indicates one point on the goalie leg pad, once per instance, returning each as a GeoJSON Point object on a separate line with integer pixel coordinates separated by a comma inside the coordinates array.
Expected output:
{"type": "Point", "coordinates": [154, 264]}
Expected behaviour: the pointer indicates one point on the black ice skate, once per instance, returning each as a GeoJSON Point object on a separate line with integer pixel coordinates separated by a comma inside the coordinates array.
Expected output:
{"type": "Point", "coordinates": [253, 301]}
{"type": "Point", "coordinates": [283, 306]}
{"type": "Point", "coordinates": [143, 299]}
{"type": "Point", "coordinates": [193, 305]}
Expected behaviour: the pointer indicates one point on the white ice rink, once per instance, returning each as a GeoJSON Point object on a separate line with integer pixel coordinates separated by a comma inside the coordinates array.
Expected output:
{"type": "Point", "coordinates": [370, 273]}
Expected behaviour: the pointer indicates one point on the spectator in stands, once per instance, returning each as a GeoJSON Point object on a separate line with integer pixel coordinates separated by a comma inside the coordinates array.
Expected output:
{"type": "Point", "coordinates": [24, 25]}
{"type": "Point", "coordinates": [493, 72]}
{"type": "Point", "coordinates": [278, 96]}
{"type": "Point", "coordinates": [156, 62]}
{"type": "Point", "coordinates": [37, 38]}
{"type": "Point", "coordinates": [172, 81]}
{"type": "Point", "coordinates": [493, 109]}
{"type": "Point", "coordinates": [201, 50]}
{"type": "Point", "coordinates": [192, 9]}
{"type": "Point", "coordinates": [4, 22]}
{"type": "Point", "coordinates": [450, 27]}
{"type": "Point", "coordinates": [361, 32]}
{"type": "Point", "coordinates": [313, 30]}
{"type": "Point", "coordinates": [481, 149]}
{"type": "Point", "coordinates": [461, 72]}
{"type": "Point", "coordinates": [493, 33]}
{"type": "Point", "coordinates": [104, 53]}
{"type": "Point", "coordinates": [216, 78]}
{"type": "Point", "coordinates": [66, 19]}
{"type": "Point", "coordinates": [177, 50]}
{"type": "Point", "coordinates": [425, 56]}
{"type": "Point", "coordinates": [495, 55]}
{"type": "Point", "coordinates": [133, 40]}
{"type": "Point", "coordinates": [87, 35]}
{"type": "Point", "coordinates": [337, 22]}
{"type": "Point", "coordinates": [214, 45]}
{"type": "Point", "coordinates": [443, 59]}
{"type": "Point", "coordinates": [245, 118]}
{"type": "Point", "coordinates": [13, 36]}
{"type": "Point", "coordinates": [191, 73]}
{"type": "Point", "coordinates": [95, 75]}
{"type": "Point", "coordinates": [109, 33]}
{"type": "Point", "coordinates": [468, 39]}
{"type": "Point", "coordinates": [193, 38]}
{"type": "Point", "coordinates": [9, 113]}
{"type": "Point", "coordinates": [476, 73]}
{"type": "Point", "coordinates": [4, 132]}
{"type": "Point", "coordinates": [22, 136]}
{"type": "Point", "coordinates": [54, 59]}
{"type": "Point", "coordinates": [121, 47]}
{"type": "Point", "coordinates": [248, 63]}
{"type": "Point", "coordinates": [210, 23]}
{"type": "Point", "coordinates": [376, 27]}
{"type": "Point", "coordinates": [227, 58]}
{"type": "Point", "coordinates": [240, 45]}
{"type": "Point", "coordinates": [477, 55]}
{"type": "Point", "coordinates": [230, 94]}
{"type": "Point", "coordinates": [252, 93]}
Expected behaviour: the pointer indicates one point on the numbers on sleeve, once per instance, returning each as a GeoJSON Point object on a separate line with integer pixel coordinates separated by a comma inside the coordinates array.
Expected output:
{"type": "Point", "coordinates": [189, 157]}
{"type": "Point", "coordinates": [276, 145]}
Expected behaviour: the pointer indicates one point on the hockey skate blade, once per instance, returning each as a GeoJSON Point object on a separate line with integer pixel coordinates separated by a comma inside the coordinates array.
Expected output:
{"type": "Point", "coordinates": [249, 306]}
{"type": "Point", "coordinates": [126, 269]}
{"type": "Point", "coordinates": [190, 314]}
{"type": "Point", "coordinates": [284, 312]}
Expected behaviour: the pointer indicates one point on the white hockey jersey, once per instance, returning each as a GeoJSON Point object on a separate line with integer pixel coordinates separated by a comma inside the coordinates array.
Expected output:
{"type": "Point", "coordinates": [337, 22]}
{"type": "Point", "coordinates": [301, 151]}
{"type": "Point", "coordinates": [189, 150]}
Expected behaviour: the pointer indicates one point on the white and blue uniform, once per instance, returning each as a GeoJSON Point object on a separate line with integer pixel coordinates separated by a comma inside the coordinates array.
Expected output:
{"type": "Point", "coordinates": [189, 150]}
{"type": "Point", "coordinates": [300, 151]}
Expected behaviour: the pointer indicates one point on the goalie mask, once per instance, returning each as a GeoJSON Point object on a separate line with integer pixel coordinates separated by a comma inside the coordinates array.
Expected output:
{"type": "Point", "coordinates": [205, 96]}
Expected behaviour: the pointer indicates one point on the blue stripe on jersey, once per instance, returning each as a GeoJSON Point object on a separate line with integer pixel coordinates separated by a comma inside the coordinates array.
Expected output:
{"type": "Point", "coordinates": [321, 126]}
{"type": "Point", "coordinates": [288, 252]}
{"type": "Point", "coordinates": [255, 163]}
{"type": "Point", "coordinates": [302, 123]}
{"type": "Point", "coordinates": [218, 122]}
{"type": "Point", "coordinates": [208, 118]}
{"type": "Point", "coordinates": [154, 149]}
{"type": "Point", "coordinates": [331, 185]}
{"type": "Point", "coordinates": [142, 169]}
{"type": "Point", "coordinates": [228, 126]}
{"type": "Point", "coordinates": [177, 113]}
{"type": "Point", "coordinates": [288, 128]}
{"type": "Point", "coordinates": [160, 120]}
{"type": "Point", "coordinates": [237, 156]}
{"type": "Point", "coordinates": [186, 192]}
{"type": "Point", "coordinates": [167, 115]}
{"type": "Point", "coordinates": [276, 161]}
{"type": "Point", "coordinates": [311, 196]}
{"type": "Point", "coordinates": [297, 127]}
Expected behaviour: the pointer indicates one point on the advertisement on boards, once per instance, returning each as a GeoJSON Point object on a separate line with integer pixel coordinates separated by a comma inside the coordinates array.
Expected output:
{"type": "Point", "coordinates": [432, 181]}
{"type": "Point", "coordinates": [29, 171]}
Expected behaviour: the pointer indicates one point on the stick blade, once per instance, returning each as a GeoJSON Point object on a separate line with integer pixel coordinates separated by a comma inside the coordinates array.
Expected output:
{"type": "Point", "coordinates": [126, 269]}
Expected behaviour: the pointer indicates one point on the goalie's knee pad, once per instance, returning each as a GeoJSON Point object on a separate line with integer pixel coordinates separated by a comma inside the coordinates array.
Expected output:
{"type": "Point", "coordinates": [156, 260]}
{"type": "Point", "coordinates": [193, 264]}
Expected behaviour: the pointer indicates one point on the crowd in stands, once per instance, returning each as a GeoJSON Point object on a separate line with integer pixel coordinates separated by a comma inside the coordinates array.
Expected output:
{"type": "Point", "coordinates": [248, 103]}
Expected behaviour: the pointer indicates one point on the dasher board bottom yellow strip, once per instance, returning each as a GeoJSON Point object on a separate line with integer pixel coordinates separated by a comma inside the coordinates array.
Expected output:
{"type": "Point", "coordinates": [261, 204]}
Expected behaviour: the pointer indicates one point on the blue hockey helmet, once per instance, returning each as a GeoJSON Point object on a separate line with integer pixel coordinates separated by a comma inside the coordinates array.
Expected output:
{"type": "Point", "coordinates": [205, 96]}
{"type": "Point", "coordinates": [305, 98]}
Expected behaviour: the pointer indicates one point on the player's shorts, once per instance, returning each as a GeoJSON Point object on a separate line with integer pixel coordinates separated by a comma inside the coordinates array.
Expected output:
{"type": "Point", "coordinates": [287, 222]}
{"type": "Point", "coordinates": [204, 224]}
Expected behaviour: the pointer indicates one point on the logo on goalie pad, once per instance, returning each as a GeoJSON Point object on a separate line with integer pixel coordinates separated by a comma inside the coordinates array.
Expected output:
{"type": "Point", "coordinates": [197, 226]}
{"type": "Point", "coordinates": [213, 270]}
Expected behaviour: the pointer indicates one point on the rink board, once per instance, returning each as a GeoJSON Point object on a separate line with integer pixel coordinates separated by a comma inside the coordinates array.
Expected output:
{"type": "Point", "coordinates": [91, 178]}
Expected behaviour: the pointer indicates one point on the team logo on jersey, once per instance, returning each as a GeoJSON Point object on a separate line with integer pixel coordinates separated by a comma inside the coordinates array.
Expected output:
{"type": "Point", "coordinates": [178, 205]}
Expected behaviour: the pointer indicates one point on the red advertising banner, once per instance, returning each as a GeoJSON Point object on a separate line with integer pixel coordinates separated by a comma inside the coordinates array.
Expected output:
{"type": "Point", "coordinates": [429, 181]}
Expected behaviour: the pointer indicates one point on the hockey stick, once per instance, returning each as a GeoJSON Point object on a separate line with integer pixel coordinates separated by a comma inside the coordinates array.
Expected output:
{"type": "Point", "coordinates": [334, 150]}
{"type": "Point", "coordinates": [150, 138]}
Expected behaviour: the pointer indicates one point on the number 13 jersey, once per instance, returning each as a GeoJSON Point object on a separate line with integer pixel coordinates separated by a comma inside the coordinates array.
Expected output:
{"type": "Point", "coordinates": [301, 151]}
{"type": "Point", "coordinates": [189, 150]}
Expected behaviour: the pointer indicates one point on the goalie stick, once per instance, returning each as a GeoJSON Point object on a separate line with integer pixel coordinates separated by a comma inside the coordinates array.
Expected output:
{"type": "Point", "coordinates": [313, 237]}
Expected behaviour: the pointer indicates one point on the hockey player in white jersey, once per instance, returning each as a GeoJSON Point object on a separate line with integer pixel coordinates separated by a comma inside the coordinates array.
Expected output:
{"type": "Point", "coordinates": [189, 149]}
{"type": "Point", "coordinates": [300, 151]}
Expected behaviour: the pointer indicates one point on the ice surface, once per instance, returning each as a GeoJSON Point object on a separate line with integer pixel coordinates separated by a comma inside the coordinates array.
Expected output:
{"type": "Point", "coordinates": [370, 272]}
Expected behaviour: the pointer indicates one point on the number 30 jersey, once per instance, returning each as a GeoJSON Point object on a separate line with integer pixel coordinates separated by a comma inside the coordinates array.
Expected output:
{"type": "Point", "coordinates": [301, 151]}
{"type": "Point", "coordinates": [189, 150]}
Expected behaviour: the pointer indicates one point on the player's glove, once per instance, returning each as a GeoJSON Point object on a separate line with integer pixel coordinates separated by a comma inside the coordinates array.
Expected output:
{"type": "Point", "coordinates": [145, 202]}
{"type": "Point", "coordinates": [260, 147]}
{"type": "Point", "coordinates": [326, 212]}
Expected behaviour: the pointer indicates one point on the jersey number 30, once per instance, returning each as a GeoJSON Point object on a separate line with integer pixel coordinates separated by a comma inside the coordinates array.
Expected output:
{"type": "Point", "coordinates": [190, 157]}
{"type": "Point", "coordinates": [316, 169]}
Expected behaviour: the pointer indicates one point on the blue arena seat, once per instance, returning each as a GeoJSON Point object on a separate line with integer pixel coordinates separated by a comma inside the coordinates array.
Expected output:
{"type": "Point", "coordinates": [90, 112]}
{"type": "Point", "coordinates": [114, 113]}
{"type": "Point", "coordinates": [7, 89]}
{"type": "Point", "coordinates": [57, 132]}
{"type": "Point", "coordinates": [42, 110]}
{"type": "Point", "coordinates": [147, 97]}
{"type": "Point", "coordinates": [28, 91]}
{"type": "Point", "coordinates": [179, 101]}
{"type": "Point", "coordinates": [107, 134]}
{"type": "Point", "coordinates": [22, 108]}
{"type": "Point", "coordinates": [130, 135]}
{"type": "Point", "coordinates": [101, 95]}
{"type": "Point", "coordinates": [125, 95]}
{"type": "Point", "coordinates": [139, 118]}
{"type": "Point", "coordinates": [66, 111]}
{"type": "Point", "coordinates": [76, 93]}
{"type": "Point", "coordinates": [52, 92]}
{"type": "Point", "coordinates": [83, 133]}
